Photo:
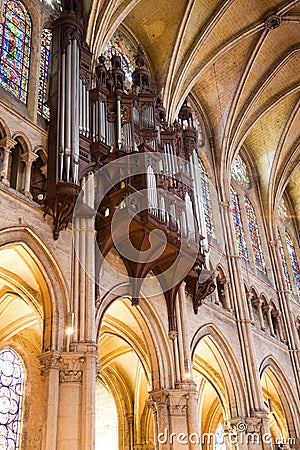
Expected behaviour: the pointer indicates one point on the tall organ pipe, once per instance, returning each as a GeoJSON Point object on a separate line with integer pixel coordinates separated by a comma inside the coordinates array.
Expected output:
{"type": "Point", "coordinates": [61, 117]}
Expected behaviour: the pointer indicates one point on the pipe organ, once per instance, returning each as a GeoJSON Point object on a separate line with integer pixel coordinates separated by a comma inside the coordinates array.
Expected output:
{"type": "Point", "coordinates": [94, 121]}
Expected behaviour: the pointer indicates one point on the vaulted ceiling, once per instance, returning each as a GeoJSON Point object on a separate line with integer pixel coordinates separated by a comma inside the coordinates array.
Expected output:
{"type": "Point", "coordinates": [240, 60]}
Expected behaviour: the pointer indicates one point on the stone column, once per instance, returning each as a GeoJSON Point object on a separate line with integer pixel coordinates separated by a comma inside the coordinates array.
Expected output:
{"type": "Point", "coordinates": [177, 418]}
{"type": "Point", "coordinates": [50, 369]}
{"type": "Point", "coordinates": [69, 409]}
{"type": "Point", "coordinates": [249, 296]}
{"type": "Point", "coordinates": [277, 318]}
{"type": "Point", "coordinates": [267, 309]}
{"type": "Point", "coordinates": [28, 158]}
{"type": "Point", "coordinates": [6, 144]}
{"type": "Point", "coordinates": [158, 401]}
{"type": "Point", "coordinates": [258, 303]}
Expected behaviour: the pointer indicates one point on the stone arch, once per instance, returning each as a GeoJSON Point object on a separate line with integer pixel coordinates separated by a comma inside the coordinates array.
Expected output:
{"type": "Point", "coordinates": [228, 365]}
{"type": "Point", "coordinates": [134, 359]}
{"type": "Point", "coordinates": [285, 393]}
{"type": "Point", "coordinates": [23, 140]}
{"type": "Point", "coordinates": [160, 360]}
{"type": "Point", "coordinates": [53, 284]}
{"type": "Point", "coordinates": [4, 129]}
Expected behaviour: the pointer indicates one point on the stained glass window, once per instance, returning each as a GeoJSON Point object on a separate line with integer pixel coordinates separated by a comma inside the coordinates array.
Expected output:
{"type": "Point", "coordinates": [254, 234]}
{"type": "Point", "coordinates": [11, 389]}
{"type": "Point", "coordinates": [284, 265]}
{"type": "Point", "coordinates": [282, 210]}
{"type": "Point", "coordinates": [294, 259]}
{"type": "Point", "coordinates": [120, 45]}
{"type": "Point", "coordinates": [219, 438]}
{"type": "Point", "coordinates": [206, 200]}
{"type": "Point", "coordinates": [15, 38]}
{"type": "Point", "coordinates": [239, 172]}
{"type": "Point", "coordinates": [46, 40]}
{"type": "Point", "coordinates": [238, 225]}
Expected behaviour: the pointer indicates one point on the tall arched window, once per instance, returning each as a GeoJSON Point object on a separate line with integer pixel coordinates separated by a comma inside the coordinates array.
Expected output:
{"type": "Point", "coordinates": [206, 199]}
{"type": "Point", "coordinates": [294, 259]}
{"type": "Point", "coordinates": [120, 44]}
{"type": "Point", "coordinates": [284, 264]}
{"type": "Point", "coordinates": [238, 225]}
{"type": "Point", "coordinates": [11, 388]}
{"type": "Point", "coordinates": [254, 234]}
{"type": "Point", "coordinates": [239, 172]}
{"type": "Point", "coordinates": [46, 40]}
{"type": "Point", "coordinates": [15, 41]}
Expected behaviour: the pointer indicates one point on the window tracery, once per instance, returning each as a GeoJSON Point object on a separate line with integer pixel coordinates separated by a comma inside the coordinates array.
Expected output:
{"type": "Point", "coordinates": [238, 225]}
{"type": "Point", "coordinates": [254, 234]}
{"type": "Point", "coordinates": [293, 259]}
{"type": "Point", "coordinates": [15, 41]}
{"type": "Point", "coordinates": [46, 40]}
{"type": "Point", "coordinates": [284, 264]}
{"type": "Point", "coordinates": [206, 199]}
{"type": "Point", "coordinates": [239, 172]}
{"type": "Point", "coordinates": [11, 391]}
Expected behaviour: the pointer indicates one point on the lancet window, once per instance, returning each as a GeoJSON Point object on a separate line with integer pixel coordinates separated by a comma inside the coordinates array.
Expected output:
{"type": "Point", "coordinates": [43, 107]}
{"type": "Point", "coordinates": [238, 225]}
{"type": "Point", "coordinates": [206, 199]}
{"type": "Point", "coordinates": [15, 41]}
{"type": "Point", "coordinates": [284, 264]}
{"type": "Point", "coordinates": [254, 234]}
{"type": "Point", "coordinates": [11, 387]}
{"type": "Point", "coordinates": [294, 260]}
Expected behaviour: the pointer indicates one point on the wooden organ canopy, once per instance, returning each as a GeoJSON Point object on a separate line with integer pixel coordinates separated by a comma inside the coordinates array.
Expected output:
{"type": "Point", "coordinates": [95, 122]}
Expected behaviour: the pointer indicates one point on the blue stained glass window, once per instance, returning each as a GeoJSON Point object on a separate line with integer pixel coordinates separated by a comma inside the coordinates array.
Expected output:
{"type": "Point", "coordinates": [206, 200]}
{"type": "Point", "coordinates": [238, 226]}
{"type": "Point", "coordinates": [15, 40]}
{"type": "Point", "coordinates": [120, 45]}
{"type": "Point", "coordinates": [46, 40]}
{"type": "Point", "coordinates": [294, 259]}
{"type": "Point", "coordinates": [284, 265]}
{"type": "Point", "coordinates": [11, 390]}
{"type": "Point", "coordinates": [254, 234]}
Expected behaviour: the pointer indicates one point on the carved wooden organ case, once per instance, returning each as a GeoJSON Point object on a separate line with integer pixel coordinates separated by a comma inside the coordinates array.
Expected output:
{"type": "Point", "coordinates": [96, 121]}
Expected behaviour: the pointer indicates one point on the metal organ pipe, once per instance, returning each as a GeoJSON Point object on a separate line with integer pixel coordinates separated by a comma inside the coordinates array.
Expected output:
{"type": "Point", "coordinates": [75, 133]}
{"type": "Point", "coordinates": [80, 106]}
{"type": "Point", "coordinates": [119, 131]}
{"type": "Point", "coordinates": [87, 113]}
{"type": "Point", "coordinates": [68, 105]}
{"type": "Point", "coordinates": [62, 116]}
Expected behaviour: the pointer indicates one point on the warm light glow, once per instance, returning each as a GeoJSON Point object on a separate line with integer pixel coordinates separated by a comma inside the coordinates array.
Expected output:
{"type": "Point", "coordinates": [70, 323]}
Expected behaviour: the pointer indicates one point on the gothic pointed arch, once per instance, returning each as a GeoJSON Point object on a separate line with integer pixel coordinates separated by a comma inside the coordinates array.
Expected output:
{"type": "Point", "coordinates": [25, 244]}
{"type": "Point", "coordinates": [227, 366]}
{"type": "Point", "coordinates": [280, 392]}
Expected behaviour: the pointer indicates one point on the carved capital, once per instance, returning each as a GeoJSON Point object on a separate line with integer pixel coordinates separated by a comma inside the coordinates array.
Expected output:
{"type": "Point", "coordinates": [71, 368]}
{"type": "Point", "coordinates": [178, 403]}
{"type": "Point", "coordinates": [7, 143]}
{"type": "Point", "coordinates": [48, 361]}
{"type": "Point", "coordinates": [158, 398]}
{"type": "Point", "coordinates": [29, 157]}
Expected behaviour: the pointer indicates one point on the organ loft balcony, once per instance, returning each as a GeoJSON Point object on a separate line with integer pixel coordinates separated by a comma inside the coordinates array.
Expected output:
{"type": "Point", "coordinates": [147, 194]}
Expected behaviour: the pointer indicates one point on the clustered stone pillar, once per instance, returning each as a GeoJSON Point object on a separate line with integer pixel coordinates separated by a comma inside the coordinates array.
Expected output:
{"type": "Point", "coordinates": [176, 410]}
